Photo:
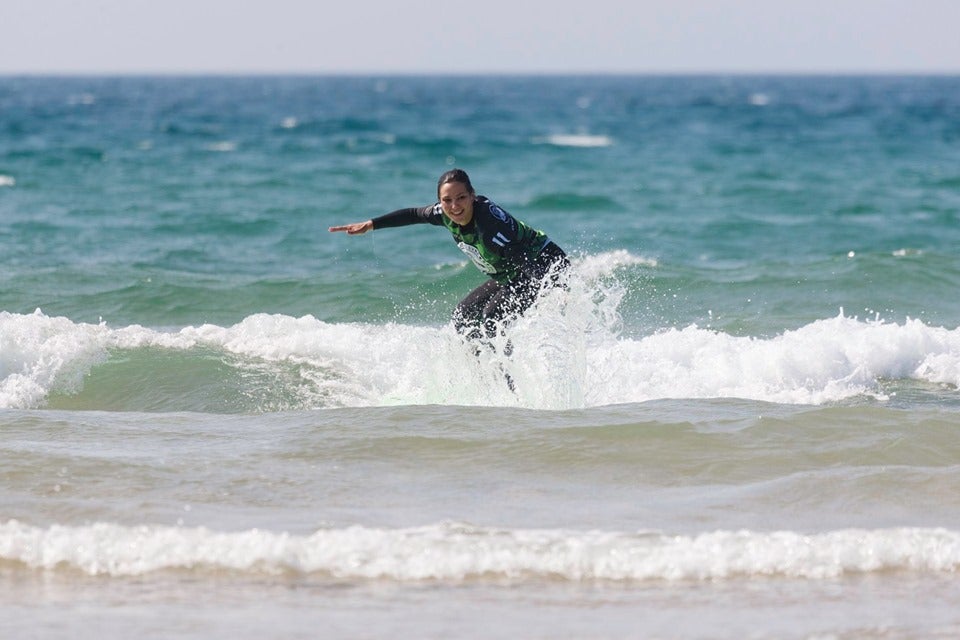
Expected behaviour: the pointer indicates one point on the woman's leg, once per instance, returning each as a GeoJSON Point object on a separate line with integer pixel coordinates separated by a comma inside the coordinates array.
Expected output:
{"type": "Point", "coordinates": [469, 314]}
{"type": "Point", "coordinates": [491, 303]}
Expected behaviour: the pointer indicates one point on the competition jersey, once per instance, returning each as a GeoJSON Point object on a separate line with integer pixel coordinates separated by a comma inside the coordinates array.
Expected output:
{"type": "Point", "coordinates": [497, 243]}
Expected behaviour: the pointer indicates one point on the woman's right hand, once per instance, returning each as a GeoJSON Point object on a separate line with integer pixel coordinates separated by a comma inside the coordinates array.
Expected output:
{"type": "Point", "coordinates": [354, 229]}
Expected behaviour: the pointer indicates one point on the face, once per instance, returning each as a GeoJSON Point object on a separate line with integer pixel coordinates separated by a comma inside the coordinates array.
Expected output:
{"type": "Point", "coordinates": [457, 202]}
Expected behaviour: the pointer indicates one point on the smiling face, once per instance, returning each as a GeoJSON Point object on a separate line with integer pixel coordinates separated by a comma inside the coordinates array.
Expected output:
{"type": "Point", "coordinates": [457, 202]}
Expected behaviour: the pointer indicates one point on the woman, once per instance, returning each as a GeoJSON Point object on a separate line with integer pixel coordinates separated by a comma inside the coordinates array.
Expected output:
{"type": "Point", "coordinates": [517, 258]}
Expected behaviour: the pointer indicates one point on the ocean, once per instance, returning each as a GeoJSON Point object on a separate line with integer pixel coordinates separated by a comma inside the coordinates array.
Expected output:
{"type": "Point", "coordinates": [740, 417]}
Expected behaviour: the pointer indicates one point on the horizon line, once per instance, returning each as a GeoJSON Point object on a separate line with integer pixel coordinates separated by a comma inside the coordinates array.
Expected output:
{"type": "Point", "coordinates": [852, 72]}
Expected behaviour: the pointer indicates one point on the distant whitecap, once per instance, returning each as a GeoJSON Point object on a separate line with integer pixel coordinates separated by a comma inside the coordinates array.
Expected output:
{"type": "Point", "coordinates": [576, 140]}
{"type": "Point", "coordinates": [81, 98]}
{"type": "Point", "coordinates": [902, 253]}
{"type": "Point", "coordinates": [222, 147]}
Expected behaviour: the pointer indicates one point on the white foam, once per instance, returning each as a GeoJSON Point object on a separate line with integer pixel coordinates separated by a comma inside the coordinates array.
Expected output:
{"type": "Point", "coordinates": [7, 181]}
{"type": "Point", "coordinates": [39, 354]}
{"type": "Point", "coordinates": [568, 353]}
{"type": "Point", "coordinates": [824, 361]}
{"type": "Point", "coordinates": [457, 552]}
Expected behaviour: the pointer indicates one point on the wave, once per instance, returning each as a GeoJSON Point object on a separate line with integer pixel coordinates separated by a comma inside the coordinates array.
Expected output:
{"type": "Point", "coordinates": [567, 353]}
{"type": "Point", "coordinates": [275, 362]}
{"type": "Point", "coordinates": [461, 552]}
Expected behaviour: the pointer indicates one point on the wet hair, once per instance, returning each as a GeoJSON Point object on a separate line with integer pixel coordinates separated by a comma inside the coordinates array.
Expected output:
{"type": "Point", "coordinates": [455, 175]}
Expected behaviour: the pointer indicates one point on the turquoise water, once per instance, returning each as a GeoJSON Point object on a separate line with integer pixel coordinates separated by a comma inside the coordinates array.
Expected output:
{"type": "Point", "coordinates": [150, 197]}
{"type": "Point", "coordinates": [742, 414]}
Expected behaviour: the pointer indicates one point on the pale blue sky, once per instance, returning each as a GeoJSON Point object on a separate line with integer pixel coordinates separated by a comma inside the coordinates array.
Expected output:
{"type": "Point", "coordinates": [487, 36]}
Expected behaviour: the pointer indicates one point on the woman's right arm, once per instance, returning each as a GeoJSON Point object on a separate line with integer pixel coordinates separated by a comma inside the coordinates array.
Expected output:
{"type": "Point", "coordinates": [398, 218]}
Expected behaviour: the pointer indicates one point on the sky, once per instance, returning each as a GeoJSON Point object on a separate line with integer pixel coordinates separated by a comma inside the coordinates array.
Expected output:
{"type": "Point", "coordinates": [487, 36]}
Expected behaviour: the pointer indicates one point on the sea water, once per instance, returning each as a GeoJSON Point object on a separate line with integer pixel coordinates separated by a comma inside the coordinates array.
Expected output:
{"type": "Point", "coordinates": [739, 419]}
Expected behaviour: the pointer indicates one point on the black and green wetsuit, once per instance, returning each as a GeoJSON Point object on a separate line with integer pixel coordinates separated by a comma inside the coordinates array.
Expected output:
{"type": "Point", "coordinates": [515, 256]}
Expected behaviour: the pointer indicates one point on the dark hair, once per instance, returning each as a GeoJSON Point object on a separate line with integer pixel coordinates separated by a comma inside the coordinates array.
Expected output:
{"type": "Point", "coordinates": [455, 175]}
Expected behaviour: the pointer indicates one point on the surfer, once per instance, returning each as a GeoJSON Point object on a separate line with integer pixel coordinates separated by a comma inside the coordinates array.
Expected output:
{"type": "Point", "coordinates": [520, 260]}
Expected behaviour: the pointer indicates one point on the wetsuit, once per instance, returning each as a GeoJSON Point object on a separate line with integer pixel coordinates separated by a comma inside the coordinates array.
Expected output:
{"type": "Point", "coordinates": [516, 257]}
